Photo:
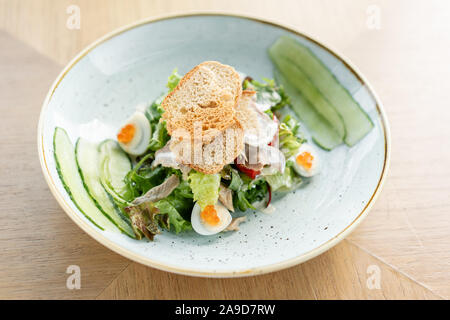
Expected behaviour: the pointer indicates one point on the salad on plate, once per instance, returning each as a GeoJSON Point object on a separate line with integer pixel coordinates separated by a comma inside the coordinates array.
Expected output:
{"type": "Point", "coordinates": [215, 146]}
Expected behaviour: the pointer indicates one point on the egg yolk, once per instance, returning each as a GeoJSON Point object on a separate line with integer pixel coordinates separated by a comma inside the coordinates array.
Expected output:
{"type": "Point", "coordinates": [126, 134]}
{"type": "Point", "coordinates": [209, 215]}
{"type": "Point", "coordinates": [305, 159]}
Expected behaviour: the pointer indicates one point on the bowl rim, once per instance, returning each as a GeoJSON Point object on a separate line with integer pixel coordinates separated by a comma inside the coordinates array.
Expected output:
{"type": "Point", "coordinates": [93, 232]}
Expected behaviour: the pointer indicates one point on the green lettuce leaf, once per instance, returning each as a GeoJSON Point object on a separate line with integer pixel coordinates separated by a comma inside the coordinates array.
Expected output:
{"type": "Point", "coordinates": [160, 136]}
{"type": "Point", "coordinates": [251, 192]}
{"type": "Point", "coordinates": [286, 181]}
{"type": "Point", "coordinates": [168, 206]}
{"type": "Point", "coordinates": [268, 93]}
{"type": "Point", "coordinates": [144, 220]}
{"type": "Point", "coordinates": [173, 212]}
{"type": "Point", "coordinates": [246, 191]}
{"type": "Point", "coordinates": [154, 111]}
{"type": "Point", "coordinates": [236, 181]}
{"type": "Point", "coordinates": [205, 188]}
{"type": "Point", "coordinates": [143, 176]}
{"type": "Point", "coordinates": [289, 137]}
{"type": "Point", "coordinates": [173, 80]}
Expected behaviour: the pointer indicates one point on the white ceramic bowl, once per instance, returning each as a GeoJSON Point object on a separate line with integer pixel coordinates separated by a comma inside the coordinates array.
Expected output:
{"type": "Point", "coordinates": [102, 85]}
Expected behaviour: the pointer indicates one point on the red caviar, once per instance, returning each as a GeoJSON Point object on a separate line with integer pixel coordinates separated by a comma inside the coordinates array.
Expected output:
{"type": "Point", "coordinates": [209, 215]}
{"type": "Point", "coordinates": [126, 134]}
{"type": "Point", "coordinates": [305, 159]}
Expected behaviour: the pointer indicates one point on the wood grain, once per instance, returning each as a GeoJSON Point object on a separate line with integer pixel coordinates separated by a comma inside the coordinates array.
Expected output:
{"type": "Point", "coordinates": [340, 273]}
{"type": "Point", "coordinates": [409, 227]}
{"type": "Point", "coordinates": [407, 234]}
{"type": "Point", "coordinates": [37, 239]}
{"type": "Point", "coordinates": [42, 23]}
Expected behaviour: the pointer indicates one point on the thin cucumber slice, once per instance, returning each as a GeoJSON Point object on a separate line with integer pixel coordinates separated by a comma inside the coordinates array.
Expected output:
{"type": "Point", "coordinates": [301, 82]}
{"type": "Point", "coordinates": [114, 166]}
{"type": "Point", "coordinates": [66, 166]}
{"type": "Point", "coordinates": [322, 132]}
{"type": "Point", "coordinates": [87, 158]}
{"type": "Point", "coordinates": [356, 120]}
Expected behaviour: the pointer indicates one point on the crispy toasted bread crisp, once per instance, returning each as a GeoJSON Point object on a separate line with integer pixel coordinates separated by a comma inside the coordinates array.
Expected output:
{"type": "Point", "coordinates": [201, 117]}
{"type": "Point", "coordinates": [245, 114]}
{"type": "Point", "coordinates": [208, 94]}
{"type": "Point", "coordinates": [211, 157]}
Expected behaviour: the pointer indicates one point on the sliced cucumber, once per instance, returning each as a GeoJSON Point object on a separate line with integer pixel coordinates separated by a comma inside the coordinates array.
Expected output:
{"type": "Point", "coordinates": [87, 158]}
{"type": "Point", "coordinates": [114, 166]}
{"type": "Point", "coordinates": [356, 120]}
{"type": "Point", "coordinates": [301, 82]}
{"type": "Point", "coordinates": [66, 166]}
{"type": "Point", "coordinates": [321, 130]}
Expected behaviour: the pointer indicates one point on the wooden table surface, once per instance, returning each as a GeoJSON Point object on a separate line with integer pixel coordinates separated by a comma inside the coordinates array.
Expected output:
{"type": "Point", "coordinates": [401, 46]}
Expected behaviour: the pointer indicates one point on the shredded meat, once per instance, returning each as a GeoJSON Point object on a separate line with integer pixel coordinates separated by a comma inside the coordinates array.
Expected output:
{"type": "Point", "coordinates": [234, 225]}
{"type": "Point", "coordinates": [226, 197]}
{"type": "Point", "coordinates": [159, 192]}
{"type": "Point", "coordinates": [167, 158]}
{"type": "Point", "coordinates": [256, 158]}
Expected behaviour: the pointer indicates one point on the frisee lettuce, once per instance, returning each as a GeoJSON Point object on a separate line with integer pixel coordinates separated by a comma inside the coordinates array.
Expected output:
{"type": "Point", "coordinates": [159, 136]}
{"type": "Point", "coordinates": [173, 80]}
{"type": "Point", "coordinates": [268, 93]}
{"type": "Point", "coordinates": [286, 181]}
{"type": "Point", "coordinates": [289, 137]}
